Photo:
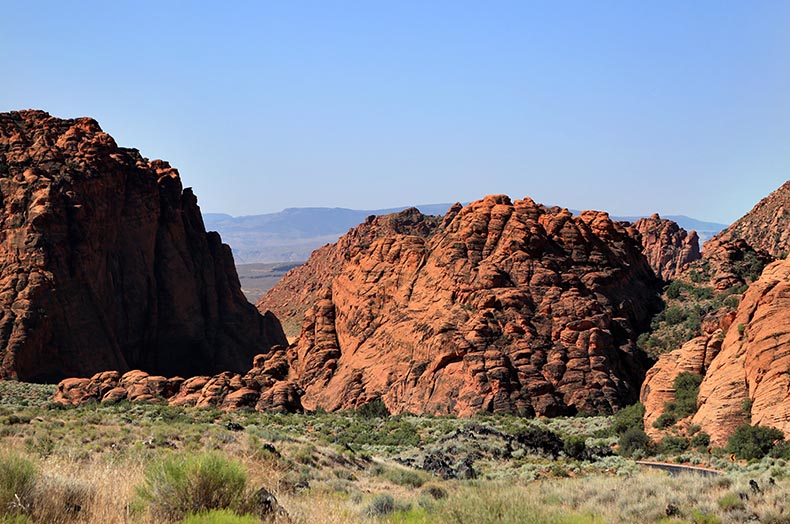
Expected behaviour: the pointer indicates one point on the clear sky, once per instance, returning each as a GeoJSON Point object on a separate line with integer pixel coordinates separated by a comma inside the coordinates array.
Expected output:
{"type": "Point", "coordinates": [681, 107]}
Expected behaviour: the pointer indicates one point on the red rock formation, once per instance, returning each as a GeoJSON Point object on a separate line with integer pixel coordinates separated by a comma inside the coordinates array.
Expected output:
{"type": "Point", "coordinates": [749, 381]}
{"type": "Point", "coordinates": [766, 227]}
{"type": "Point", "coordinates": [668, 248]}
{"type": "Point", "coordinates": [507, 306]}
{"type": "Point", "coordinates": [264, 388]}
{"type": "Point", "coordinates": [293, 294]}
{"type": "Point", "coordinates": [105, 263]}
{"type": "Point", "coordinates": [658, 388]}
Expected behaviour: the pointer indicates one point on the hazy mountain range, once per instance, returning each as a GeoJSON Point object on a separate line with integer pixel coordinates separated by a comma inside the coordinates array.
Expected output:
{"type": "Point", "coordinates": [292, 234]}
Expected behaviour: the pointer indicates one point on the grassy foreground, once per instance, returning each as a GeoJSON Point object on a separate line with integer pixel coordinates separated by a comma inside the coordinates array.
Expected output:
{"type": "Point", "coordinates": [157, 464]}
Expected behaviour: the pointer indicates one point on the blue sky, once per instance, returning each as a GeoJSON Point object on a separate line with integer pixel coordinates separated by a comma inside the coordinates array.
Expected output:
{"type": "Point", "coordinates": [632, 107]}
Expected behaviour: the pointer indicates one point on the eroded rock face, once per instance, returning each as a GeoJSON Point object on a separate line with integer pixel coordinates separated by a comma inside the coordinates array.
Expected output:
{"type": "Point", "coordinates": [749, 380]}
{"type": "Point", "coordinates": [695, 356]}
{"type": "Point", "coordinates": [264, 388]}
{"type": "Point", "coordinates": [668, 247]}
{"type": "Point", "coordinates": [105, 263]}
{"type": "Point", "coordinates": [505, 307]}
{"type": "Point", "coordinates": [767, 226]}
{"type": "Point", "coordinates": [746, 373]}
{"type": "Point", "coordinates": [290, 299]}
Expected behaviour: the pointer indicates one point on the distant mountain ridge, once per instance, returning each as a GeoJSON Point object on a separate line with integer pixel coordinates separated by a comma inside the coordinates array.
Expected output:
{"type": "Point", "coordinates": [292, 234]}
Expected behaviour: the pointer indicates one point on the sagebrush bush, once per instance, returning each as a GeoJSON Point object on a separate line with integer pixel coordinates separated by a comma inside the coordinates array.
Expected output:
{"type": "Point", "coordinates": [17, 483]}
{"type": "Point", "coordinates": [221, 516]}
{"type": "Point", "coordinates": [181, 485]}
{"type": "Point", "coordinates": [405, 477]}
{"type": "Point", "coordinates": [381, 505]}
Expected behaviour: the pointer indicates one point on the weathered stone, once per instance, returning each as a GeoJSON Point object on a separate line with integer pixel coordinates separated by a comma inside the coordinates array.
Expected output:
{"type": "Point", "coordinates": [105, 263]}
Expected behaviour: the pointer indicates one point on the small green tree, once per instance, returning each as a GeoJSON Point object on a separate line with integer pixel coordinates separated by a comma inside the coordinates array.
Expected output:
{"type": "Point", "coordinates": [753, 442]}
{"type": "Point", "coordinates": [629, 417]}
{"type": "Point", "coordinates": [633, 440]}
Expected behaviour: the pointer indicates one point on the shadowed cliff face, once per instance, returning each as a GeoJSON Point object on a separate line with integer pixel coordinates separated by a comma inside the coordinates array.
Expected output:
{"type": "Point", "coordinates": [504, 306]}
{"type": "Point", "coordinates": [105, 263]}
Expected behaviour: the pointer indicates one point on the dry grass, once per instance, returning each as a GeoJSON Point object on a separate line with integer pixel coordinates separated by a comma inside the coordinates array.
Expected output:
{"type": "Point", "coordinates": [90, 463]}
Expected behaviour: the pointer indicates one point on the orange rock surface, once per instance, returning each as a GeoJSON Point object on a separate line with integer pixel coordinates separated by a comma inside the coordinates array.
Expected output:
{"type": "Point", "coordinates": [105, 263]}
{"type": "Point", "coordinates": [753, 367]}
{"type": "Point", "coordinates": [504, 307]}
{"type": "Point", "coordinates": [668, 248]}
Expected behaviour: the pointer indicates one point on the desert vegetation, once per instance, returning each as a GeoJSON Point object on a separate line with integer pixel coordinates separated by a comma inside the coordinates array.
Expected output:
{"type": "Point", "coordinates": [135, 463]}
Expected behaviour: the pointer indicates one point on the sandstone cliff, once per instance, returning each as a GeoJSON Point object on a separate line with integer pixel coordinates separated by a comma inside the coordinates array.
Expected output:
{"type": "Point", "coordinates": [105, 263]}
{"type": "Point", "coordinates": [747, 372]}
{"type": "Point", "coordinates": [669, 248]}
{"type": "Point", "coordinates": [766, 227]}
{"type": "Point", "coordinates": [505, 306]}
{"type": "Point", "coordinates": [291, 297]}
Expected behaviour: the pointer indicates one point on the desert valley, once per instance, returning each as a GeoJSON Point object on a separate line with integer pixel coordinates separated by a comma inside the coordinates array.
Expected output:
{"type": "Point", "coordinates": [505, 361]}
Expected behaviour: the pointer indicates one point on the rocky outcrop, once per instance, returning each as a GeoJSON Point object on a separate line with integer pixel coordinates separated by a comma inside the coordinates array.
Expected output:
{"type": "Point", "coordinates": [291, 297]}
{"type": "Point", "coordinates": [747, 371]}
{"type": "Point", "coordinates": [504, 307]}
{"type": "Point", "coordinates": [105, 263]}
{"type": "Point", "coordinates": [669, 248]}
{"type": "Point", "coordinates": [263, 388]}
{"type": "Point", "coordinates": [658, 389]}
{"type": "Point", "coordinates": [766, 227]}
{"type": "Point", "coordinates": [749, 381]}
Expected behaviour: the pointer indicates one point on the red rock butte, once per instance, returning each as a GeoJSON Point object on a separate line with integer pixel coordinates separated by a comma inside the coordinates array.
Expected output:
{"type": "Point", "coordinates": [105, 263]}
{"type": "Point", "coordinates": [500, 306]}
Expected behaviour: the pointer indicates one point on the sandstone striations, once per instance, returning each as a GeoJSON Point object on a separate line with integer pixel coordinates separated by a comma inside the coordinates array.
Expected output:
{"type": "Point", "coordinates": [263, 388]}
{"type": "Point", "coordinates": [743, 351]}
{"type": "Point", "coordinates": [749, 380]}
{"type": "Point", "coordinates": [669, 249]}
{"type": "Point", "coordinates": [504, 307]}
{"type": "Point", "coordinates": [291, 297]}
{"type": "Point", "coordinates": [766, 227]}
{"type": "Point", "coordinates": [105, 263]}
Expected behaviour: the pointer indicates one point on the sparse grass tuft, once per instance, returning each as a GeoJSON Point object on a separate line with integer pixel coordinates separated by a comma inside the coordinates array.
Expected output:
{"type": "Point", "coordinates": [181, 485]}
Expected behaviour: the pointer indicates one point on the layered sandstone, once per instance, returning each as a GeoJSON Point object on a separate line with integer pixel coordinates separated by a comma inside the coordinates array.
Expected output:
{"type": "Point", "coordinates": [668, 247]}
{"type": "Point", "coordinates": [263, 388]}
{"type": "Point", "coordinates": [504, 307]}
{"type": "Point", "coordinates": [105, 263]}
{"type": "Point", "coordinates": [766, 227]}
{"type": "Point", "coordinates": [749, 381]}
{"type": "Point", "coordinates": [746, 375]}
{"type": "Point", "coordinates": [291, 297]}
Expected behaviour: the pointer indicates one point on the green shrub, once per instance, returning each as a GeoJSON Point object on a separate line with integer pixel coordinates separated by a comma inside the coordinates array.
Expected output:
{"type": "Point", "coordinates": [629, 417]}
{"type": "Point", "coordinates": [665, 420]}
{"type": "Point", "coordinates": [753, 442]}
{"type": "Point", "coordinates": [182, 485]}
{"type": "Point", "coordinates": [700, 440]}
{"type": "Point", "coordinates": [702, 293]}
{"type": "Point", "coordinates": [373, 409]}
{"type": "Point", "coordinates": [381, 505]}
{"type": "Point", "coordinates": [574, 447]}
{"type": "Point", "coordinates": [674, 289]}
{"type": "Point", "coordinates": [17, 480]}
{"type": "Point", "coordinates": [674, 315]}
{"type": "Point", "coordinates": [405, 477]}
{"type": "Point", "coordinates": [222, 516]}
{"type": "Point", "coordinates": [633, 440]}
{"type": "Point", "coordinates": [673, 444]}
{"type": "Point", "coordinates": [731, 502]}
{"type": "Point", "coordinates": [686, 392]}
{"type": "Point", "coordinates": [781, 451]}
